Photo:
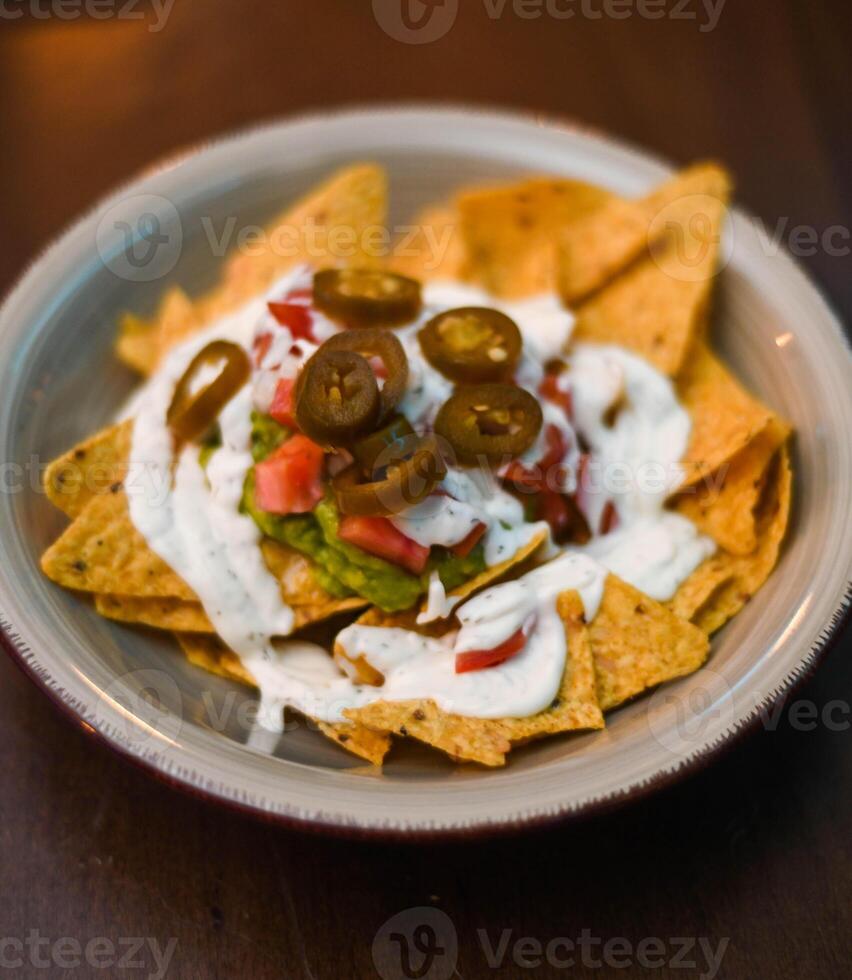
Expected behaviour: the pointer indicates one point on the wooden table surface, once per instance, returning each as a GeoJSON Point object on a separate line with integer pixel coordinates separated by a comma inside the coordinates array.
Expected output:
{"type": "Point", "coordinates": [752, 857]}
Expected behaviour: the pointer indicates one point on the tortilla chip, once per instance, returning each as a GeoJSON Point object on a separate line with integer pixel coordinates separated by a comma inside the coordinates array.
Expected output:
{"type": "Point", "coordinates": [333, 225]}
{"type": "Point", "coordinates": [103, 552]}
{"type": "Point", "coordinates": [697, 589]}
{"type": "Point", "coordinates": [510, 231]}
{"type": "Point", "coordinates": [491, 575]}
{"type": "Point", "coordinates": [432, 247]}
{"type": "Point", "coordinates": [576, 705]}
{"type": "Point", "coordinates": [728, 581]}
{"type": "Point", "coordinates": [602, 244]}
{"type": "Point", "coordinates": [660, 305]}
{"type": "Point", "coordinates": [90, 468]}
{"type": "Point", "coordinates": [486, 740]}
{"type": "Point", "coordinates": [181, 616]}
{"type": "Point", "coordinates": [725, 417]}
{"type": "Point", "coordinates": [174, 615]}
{"type": "Point", "coordinates": [726, 510]}
{"type": "Point", "coordinates": [141, 345]}
{"type": "Point", "coordinates": [212, 655]}
{"type": "Point", "coordinates": [638, 643]}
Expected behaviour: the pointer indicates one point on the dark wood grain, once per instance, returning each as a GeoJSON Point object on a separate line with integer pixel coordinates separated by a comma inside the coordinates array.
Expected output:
{"type": "Point", "coordinates": [755, 849]}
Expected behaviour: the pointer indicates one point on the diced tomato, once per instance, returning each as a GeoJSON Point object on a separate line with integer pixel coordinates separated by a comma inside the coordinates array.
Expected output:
{"type": "Point", "coordinates": [479, 659]}
{"type": "Point", "coordinates": [609, 518]}
{"type": "Point", "coordinates": [538, 476]}
{"type": "Point", "coordinates": [377, 536]}
{"type": "Point", "coordinates": [282, 408]}
{"type": "Point", "coordinates": [295, 317]}
{"type": "Point", "coordinates": [553, 508]}
{"type": "Point", "coordinates": [550, 390]}
{"type": "Point", "coordinates": [556, 447]}
{"type": "Point", "coordinates": [260, 348]}
{"type": "Point", "coordinates": [464, 547]}
{"type": "Point", "coordinates": [289, 481]}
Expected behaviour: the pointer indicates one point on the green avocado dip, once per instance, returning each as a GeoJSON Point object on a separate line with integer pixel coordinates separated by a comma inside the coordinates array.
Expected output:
{"type": "Point", "coordinates": [343, 569]}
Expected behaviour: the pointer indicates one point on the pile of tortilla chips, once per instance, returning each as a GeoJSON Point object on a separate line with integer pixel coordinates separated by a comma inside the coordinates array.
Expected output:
{"type": "Point", "coordinates": [638, 273]}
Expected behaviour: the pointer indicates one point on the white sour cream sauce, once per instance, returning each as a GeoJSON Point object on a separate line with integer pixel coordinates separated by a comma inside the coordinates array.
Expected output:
{"type": "Point", "coordinates": [191, 519]}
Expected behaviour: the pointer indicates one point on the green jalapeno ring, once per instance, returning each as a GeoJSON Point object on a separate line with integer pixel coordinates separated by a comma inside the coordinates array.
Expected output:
{"type": "Point", "coordinates": [472, 344]}
{"type": "Point", "coordinates": [336, 397]}
{"type": "Point", "coordinates": [489, 421]}
{"type": "Point", "coordinates": [373, 342]}
{"type": "Point", "coordinates": [406, 482]}
{"type": "Point", "coordinates": [367, 297]}
{"type": "Point", "coordinates": [191, 414]}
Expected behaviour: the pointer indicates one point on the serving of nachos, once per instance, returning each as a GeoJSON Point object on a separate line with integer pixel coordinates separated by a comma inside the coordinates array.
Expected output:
{"type": "Point", "coordinates": [504, 463]}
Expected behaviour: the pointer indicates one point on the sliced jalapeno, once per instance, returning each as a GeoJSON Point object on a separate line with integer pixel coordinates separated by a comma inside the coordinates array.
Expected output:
{"type": "Point", "coordinates": [367, 297]}
{"type": "Point", "coordinates": [378, 444]}
{"type": "Point", "coordinates": [372, 342]}
{"type": "Point", "coordinates": [490, 421]}
{"type": "Point", "coordinates": [472, 344]}
{"type": "Point", "coordinates": [337, 398]}
{"type": "Point", "coordinates": [192, 412]}
{"type": "Point", "coordinates": [410, 477]}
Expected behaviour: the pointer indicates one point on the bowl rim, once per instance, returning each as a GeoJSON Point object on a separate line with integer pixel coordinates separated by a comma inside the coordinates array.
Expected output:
{"type": "Point", "coordinates": [27, 660]}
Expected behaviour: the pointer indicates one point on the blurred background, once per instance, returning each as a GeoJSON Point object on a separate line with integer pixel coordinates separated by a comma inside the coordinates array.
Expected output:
{"type": "Point", "coordinates": [755, 850]}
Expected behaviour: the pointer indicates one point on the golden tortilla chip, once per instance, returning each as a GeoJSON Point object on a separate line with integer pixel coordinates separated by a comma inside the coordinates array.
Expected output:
{"type": "Point", "coordinates": [336, 224]}
{"type": "Point", "coordinates": [212, 655]}
{"type": "Point", "coordinates": [510, 231]}
{"type": "Point", "coordinates": [181, 616]}
{"type": "Point", "coordinates": [90, 468]}
{"type": "Point", "coordinates": [697, 589]}
{"type": "Point", "coordinates": [101, 551]}
{"type": "Point", "coordinates": [727, 511]}
{"type": "Point", "coordinates": [174, 615]}
{"type": "Point", "coordinates": [660, 305]}
{"type": "Point", "coordinates": [725, 417]}
{"type": "Point", "coordinates": [493, 574]}
{"type": "Point", "coordinates": [432, 247]}
{"type": "Point", "coordinates": [141, 344]}
{"type": "Point", "coordinates": [576, 705]}
{"type": "Point", "coordinates": [486, 740]}
{"type": "Point", "coordinates": [638, 643]}
{"type": "Point", "coordinates": [602, 244]}
{"type": "Point", "coordinates": [727, 581]}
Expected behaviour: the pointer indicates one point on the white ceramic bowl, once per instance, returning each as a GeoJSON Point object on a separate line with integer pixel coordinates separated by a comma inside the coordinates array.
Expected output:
{"type": "Point", "coordinates": [59, 382]}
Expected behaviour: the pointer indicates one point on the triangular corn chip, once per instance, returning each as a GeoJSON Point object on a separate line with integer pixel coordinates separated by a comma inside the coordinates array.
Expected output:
{"type": "Point", "coordinates": [102, 552]}
{"type": "Point", "coordinates": [330, 226]}
{"type": "Point", "coordinates": [212, 655]}
{"type": "Point", "coordinates": [637, 644]}
{"type": "Point", "coordinates": [91, 467]}
{"type": "Point", "coordinates": [602, 244]}
{"type": "Point", "coordinates": [727, 512]}
{"type": "Point", "coordinates": [660, 305]}
{"type": "Point", "coordinates": [727, 581]}
{"type": "Point", "coordinates": [510, 231]}
{"type": "Point", "coordinates": [485, 740]}
{"type": "Point", "coordinates": [725, 417]}
{"type": "Point", "coordinates": [431, 246]}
